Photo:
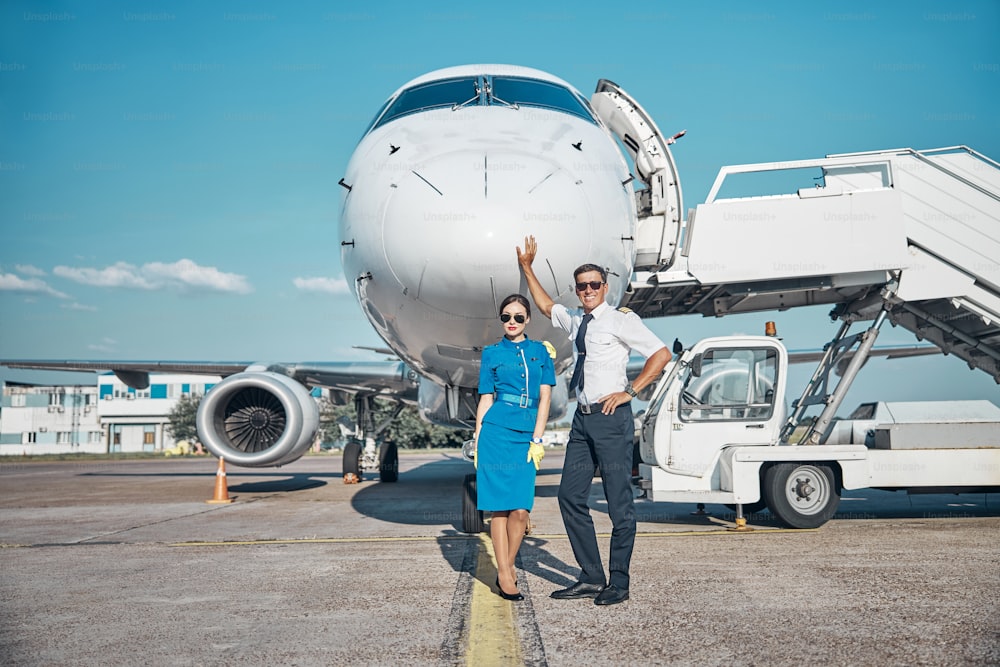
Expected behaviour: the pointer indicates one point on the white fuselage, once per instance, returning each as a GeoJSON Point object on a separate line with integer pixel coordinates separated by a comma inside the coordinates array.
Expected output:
{"type": "Point", "coordinates": [439, 200]}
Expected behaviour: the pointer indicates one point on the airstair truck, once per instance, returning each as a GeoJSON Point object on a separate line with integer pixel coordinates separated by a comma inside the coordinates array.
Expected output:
{"type": "Point", "coordinates": [901, 236]}
{"type": "Point", "coordinates": [717, 431]}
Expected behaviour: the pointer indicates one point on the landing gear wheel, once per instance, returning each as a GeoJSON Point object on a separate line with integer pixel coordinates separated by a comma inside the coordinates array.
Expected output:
{"type": "Point", "coordinates": [352, 462]}
{"type": "Point", "coordinates": [801, 495]}
{"type": "Point", "coordinates": [472, 517]}
{"type": "Point", "coordinates": [388, 462]}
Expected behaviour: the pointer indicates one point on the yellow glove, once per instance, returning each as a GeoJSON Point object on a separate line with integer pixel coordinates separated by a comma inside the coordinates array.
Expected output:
{"type": "Point", "coordinates": [550, 347]}
{"type": "Point", "coordinates": [535, 454]}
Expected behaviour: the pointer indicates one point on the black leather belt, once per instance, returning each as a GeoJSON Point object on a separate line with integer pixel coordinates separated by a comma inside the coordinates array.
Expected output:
{"type": "Point", "coordinates": [590, 409]}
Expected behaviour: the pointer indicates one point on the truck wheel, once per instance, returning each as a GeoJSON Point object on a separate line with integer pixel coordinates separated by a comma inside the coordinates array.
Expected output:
{"type": "Point", "coordinates": [801, 495]}
{"type": "Point", "coordinates": [472, 517]}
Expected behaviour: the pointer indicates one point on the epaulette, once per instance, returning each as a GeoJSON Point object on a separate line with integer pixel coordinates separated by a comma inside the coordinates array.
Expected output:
{"type": "Point", "coordinates": [623, 309]}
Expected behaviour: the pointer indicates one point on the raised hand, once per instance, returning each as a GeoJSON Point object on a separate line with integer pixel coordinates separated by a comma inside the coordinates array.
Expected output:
{"type": "Point", "coordinates": [526, 257]}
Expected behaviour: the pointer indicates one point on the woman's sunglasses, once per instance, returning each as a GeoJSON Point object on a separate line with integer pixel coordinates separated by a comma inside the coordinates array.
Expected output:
{"type": "Point", "coordinates": [593, 284]}
{"type": "Point", "coordinates": [519, 318]}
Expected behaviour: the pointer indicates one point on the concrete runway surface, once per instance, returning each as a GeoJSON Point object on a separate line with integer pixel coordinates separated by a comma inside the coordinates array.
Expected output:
{"type": "Point", "coordinates": [124, 563]}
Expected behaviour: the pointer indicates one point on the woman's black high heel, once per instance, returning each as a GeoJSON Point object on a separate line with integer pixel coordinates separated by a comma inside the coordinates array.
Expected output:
{"type": "Point", "coordinates": [507, 596]}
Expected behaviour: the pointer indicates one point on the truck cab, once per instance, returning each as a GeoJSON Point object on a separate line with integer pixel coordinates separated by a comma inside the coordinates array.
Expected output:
{"type": "Point", "coordinates": [722, 393]}
{"type": "Point", "coordinates": [717, 430]}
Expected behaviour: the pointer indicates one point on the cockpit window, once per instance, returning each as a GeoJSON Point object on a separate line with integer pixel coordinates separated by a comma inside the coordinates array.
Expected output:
{"type": "Point", "coordinates": [506, 91]}
{"type": "Point", "coordinates": [533, 93]}
{"type": "Point", "coordinates": [433, 95]}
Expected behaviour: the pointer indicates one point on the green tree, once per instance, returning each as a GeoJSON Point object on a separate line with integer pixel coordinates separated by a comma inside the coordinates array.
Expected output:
{"type": "Point", "coordinates": [407, 430]}
{"type": "Point", "coordinates": [183, 424]}
{"type": "Point", "coordinates": [330, 417]}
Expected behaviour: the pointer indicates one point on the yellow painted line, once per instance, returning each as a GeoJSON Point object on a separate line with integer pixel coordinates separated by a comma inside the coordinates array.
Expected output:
{"type": "Point", "coordinates": [492, 634]}
{"type": "Point", "coordinates": [437, 538]}
{"type": "Point", "coordinates": [693, 533]}
{"type": "Point", "coordinates": [707, 533]}
{"type": "Point", "coordinates": [324, 540]}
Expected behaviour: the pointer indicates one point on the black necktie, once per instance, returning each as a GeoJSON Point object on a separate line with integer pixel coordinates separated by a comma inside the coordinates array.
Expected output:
{"type": "Point", "coordinates": [581, 353]}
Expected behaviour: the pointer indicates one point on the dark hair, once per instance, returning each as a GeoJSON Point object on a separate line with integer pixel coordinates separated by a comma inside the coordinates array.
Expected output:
{"type": "Point", "coordinates": [584, 268]}
{"type": "Point", "coordinates": [515, 298]}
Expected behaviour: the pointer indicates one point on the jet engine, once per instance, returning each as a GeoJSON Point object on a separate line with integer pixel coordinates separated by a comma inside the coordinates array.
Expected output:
{"type": "Point", "coordinates": [258, 419]}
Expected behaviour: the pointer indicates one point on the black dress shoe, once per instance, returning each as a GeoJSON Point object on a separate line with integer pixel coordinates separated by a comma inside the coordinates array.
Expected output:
{"type": "Point", "coordinates": [612, 595]}
{"type": "Point", "coordinates": [578, 590]}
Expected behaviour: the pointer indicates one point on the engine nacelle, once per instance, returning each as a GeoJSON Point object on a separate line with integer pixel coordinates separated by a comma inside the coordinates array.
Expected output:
{"type": "Point", "coordinates": [434, 406]}
{"type": "Point", "coordinates": [258, 419]}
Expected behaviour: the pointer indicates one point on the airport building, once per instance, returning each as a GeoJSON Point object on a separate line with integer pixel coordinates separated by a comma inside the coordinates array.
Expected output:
{"type": "Point", "coordinates": [108, 417]}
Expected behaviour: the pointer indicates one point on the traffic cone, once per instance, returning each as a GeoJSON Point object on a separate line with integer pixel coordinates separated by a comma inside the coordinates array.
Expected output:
{"type": "Point", "coordinates": [221, 490]}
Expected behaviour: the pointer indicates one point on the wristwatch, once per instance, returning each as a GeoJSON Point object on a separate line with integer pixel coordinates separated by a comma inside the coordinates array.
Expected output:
{"type": "Point", "coordinates": [630, 390]}
{"type": "Point", "coordinates": [536, 441]}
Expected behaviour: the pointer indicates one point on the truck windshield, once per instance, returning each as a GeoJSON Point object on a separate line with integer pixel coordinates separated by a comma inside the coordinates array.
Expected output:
{"type": "Point", "coordinates": [733, 384]}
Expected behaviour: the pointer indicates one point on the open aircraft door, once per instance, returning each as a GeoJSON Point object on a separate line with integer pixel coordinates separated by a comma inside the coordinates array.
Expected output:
{"type": "Point", "coordinates": [659, 204]}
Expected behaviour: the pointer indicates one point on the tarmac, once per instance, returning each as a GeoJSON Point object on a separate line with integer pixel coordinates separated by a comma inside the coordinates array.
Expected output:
{"type": "Point", "coordinates": [125, 563]}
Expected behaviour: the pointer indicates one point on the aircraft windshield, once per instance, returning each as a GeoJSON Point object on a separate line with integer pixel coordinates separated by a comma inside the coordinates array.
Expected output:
{"type": "Point", "coordinates": [534, 93]}
{"type": "Point", "coordinates": [433, 95]}
{"type": "Point", "coordinates": [506, 91]}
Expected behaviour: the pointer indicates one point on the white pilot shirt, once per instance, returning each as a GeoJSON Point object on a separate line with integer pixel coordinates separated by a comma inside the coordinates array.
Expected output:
{"type": "Point", "coordinates": [611, 335]}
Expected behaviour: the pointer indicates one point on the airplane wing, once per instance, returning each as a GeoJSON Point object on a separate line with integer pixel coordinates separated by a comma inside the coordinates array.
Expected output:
{"type": "Point", "coordinates": [263, 414]}
{"type": "Point", "coordinates": [896, 352]}
{"type": "Point", "coordinates": [392, 377]}
{"type": "Point", "coordinates": [635, 364]}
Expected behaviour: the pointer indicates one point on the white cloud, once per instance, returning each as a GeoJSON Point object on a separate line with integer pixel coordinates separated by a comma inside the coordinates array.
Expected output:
{"type": "Point", "coordinates": [79, 306]}
{"type": "Point", "coordinates": [328, 285]}
{"type": "Point", "coordinates": [12, 283]}
{"type": "Point", "coordinates": [29, 270]}
{"type": "Point", "coordinates": [188, 274]}
{"type": "Point", "coordinates": [121, 274]}
{"type": "Point", "coordinates": [182, 274]}
{"type": "Point", "coordinates": [106, 345]}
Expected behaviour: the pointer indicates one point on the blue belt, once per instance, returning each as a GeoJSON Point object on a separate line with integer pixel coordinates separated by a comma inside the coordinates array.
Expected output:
{"type": "Point", "coordinates": [520, 401]}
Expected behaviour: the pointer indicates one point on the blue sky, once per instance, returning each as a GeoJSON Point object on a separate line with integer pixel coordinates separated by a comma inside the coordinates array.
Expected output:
{"type": "Point", "coordinates": [168, 171]}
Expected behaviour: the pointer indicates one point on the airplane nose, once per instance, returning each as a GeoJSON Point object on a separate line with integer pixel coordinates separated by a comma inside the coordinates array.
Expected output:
{"type": "Point", "coordinates": [458, 217]}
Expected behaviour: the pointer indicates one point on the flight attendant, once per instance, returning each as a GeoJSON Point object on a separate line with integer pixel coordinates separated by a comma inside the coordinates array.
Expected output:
{"type": "Point", "coordinates": [516, 376]}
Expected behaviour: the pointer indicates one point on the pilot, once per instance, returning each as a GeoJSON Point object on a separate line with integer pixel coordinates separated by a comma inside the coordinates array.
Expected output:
{"type": "Point", "coordinates": [603, 429]}
{"type": "Point", "coordinates": [516, 376]}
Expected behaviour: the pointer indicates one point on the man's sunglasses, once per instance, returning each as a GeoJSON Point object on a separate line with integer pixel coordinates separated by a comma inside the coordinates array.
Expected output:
{"type": "Point", "coordinates": [593, 284]}
{"type": "Point", "coordinates": [519, 318]}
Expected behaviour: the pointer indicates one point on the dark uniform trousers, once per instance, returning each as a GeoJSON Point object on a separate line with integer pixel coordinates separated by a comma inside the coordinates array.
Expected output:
{"type": "Point", "coordinates": [606, 441]}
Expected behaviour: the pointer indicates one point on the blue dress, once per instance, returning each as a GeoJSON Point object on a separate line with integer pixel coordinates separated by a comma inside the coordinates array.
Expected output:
{"type": "Point", "coordinates": [513, 373]}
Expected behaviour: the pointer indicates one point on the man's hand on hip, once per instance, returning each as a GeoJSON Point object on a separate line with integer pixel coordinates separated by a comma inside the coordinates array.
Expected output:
{"type": "Point", "coordinates": [611, 402]}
